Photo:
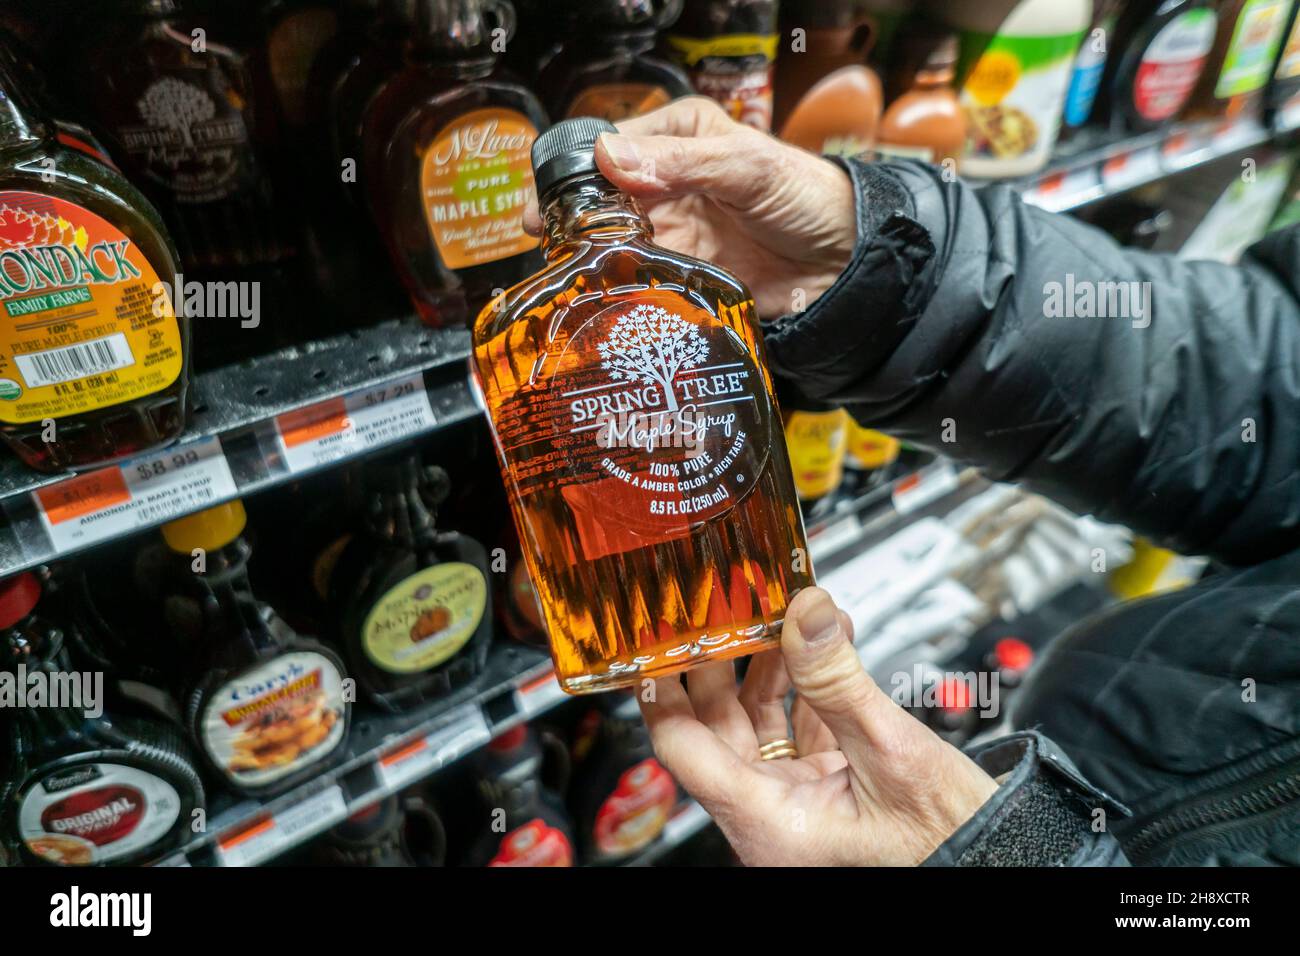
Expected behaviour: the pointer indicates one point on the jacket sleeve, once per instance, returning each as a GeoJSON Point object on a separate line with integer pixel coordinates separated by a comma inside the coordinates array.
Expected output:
{"type": "Point", "coordinates": [959, 326]}
{"type": "Point", "coordinates": [1044, 813]}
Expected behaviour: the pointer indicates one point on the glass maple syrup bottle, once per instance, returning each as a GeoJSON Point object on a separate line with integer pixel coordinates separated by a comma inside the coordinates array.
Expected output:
{"type": "Point", "coordinates": [266, 705]}
{"type": "Point", "coordinates": [82, 346]}
{"type": "Point", "coordinates": [639, 437]}
{"type": "Point", "coordinates": [83, 789]}
{"type": "Point", "coordinates": [445, 162]}
{"type": "Point", "coordinates": [608, 68]}
{"type": "Point", "coordinates": [410, 601]}
{"type": "Point", "coordinates": [181, 118]}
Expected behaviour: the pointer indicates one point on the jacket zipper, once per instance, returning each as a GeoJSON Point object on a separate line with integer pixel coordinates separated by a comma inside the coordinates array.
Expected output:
{"type": "Point", "coordinates": [1277, 788]}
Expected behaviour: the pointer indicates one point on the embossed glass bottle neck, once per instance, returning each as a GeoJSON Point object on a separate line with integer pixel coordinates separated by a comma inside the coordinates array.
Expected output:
{"type": "Point", "coordinates": [590, 210]}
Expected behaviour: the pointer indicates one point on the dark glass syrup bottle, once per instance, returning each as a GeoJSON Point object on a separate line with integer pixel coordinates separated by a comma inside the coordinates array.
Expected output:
{"type": "Point", "coordinates": [267, 707]}
{"type": "Point", "coordinates": [607, 68]}
{"type": "Point", "coordinates": [86, 788]}
{"type": "Point", "coordinates": [445, 162]}
{"type": "Point", "coordinates": [82, 342]}
{"type": "Point", "coordinates": [410, 601]}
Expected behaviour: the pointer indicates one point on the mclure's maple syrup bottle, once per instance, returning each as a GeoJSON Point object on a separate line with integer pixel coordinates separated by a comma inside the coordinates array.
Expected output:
{"type": "Point", "coordinates": [445, 162]}
{"type": "Point", "coordinates": [640, 439]}
{"type": "Point", "coordinates": [83, 344]}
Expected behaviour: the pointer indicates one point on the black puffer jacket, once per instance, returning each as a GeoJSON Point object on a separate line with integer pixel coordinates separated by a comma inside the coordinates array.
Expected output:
{"type": "Point", "coordinates": [1181, 420]}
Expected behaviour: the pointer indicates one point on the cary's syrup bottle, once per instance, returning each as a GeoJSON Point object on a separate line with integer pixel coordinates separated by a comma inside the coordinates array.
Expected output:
{"type": "Point", "coordinates": [445, 162]}
{"type": "Point", "coordinates": [84, 265]}
{"type": "Point", "coordinates": [639, 437]}
{"type": "Point", "coordinates": [410, 601]}
{"type": "Point", "coordinates": [177, 105]}
{"type": "Point", "coordinates": [267, 706]}
{"type": "Point", "coordinates": [607, 67]}
{"type": "Point", "coordinates": [85, 788]}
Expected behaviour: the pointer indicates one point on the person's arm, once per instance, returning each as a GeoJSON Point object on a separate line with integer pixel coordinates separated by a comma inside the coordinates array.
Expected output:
{"type": "Point", "coordinates": [958, 318]}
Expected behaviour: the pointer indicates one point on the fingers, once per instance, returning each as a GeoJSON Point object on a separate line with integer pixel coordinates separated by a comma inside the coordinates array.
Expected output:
{"type": "Point", "coordinates": [827, 674]}
{"type": "Point", "coordinates": [712, 692]}
{"type": "Point", "coordinates": [738, 168]}
{"type": "Point", "coordinates": [763, 697]}
{"type": "Point", "coordinates": [698, 758]}
{"type": "Point", "coordinates": [689, 116]}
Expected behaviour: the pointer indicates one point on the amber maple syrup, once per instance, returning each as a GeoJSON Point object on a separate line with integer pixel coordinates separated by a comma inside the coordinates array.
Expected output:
{"type": "Point", "coordinates": [640, 439]}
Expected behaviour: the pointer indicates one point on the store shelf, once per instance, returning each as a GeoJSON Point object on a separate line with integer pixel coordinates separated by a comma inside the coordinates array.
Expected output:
{"type": "Point", "coordinates": [255, 425]}
{"type": "Point", "coordinates": [1098, 164]}
{"type": "Point", "coordinates": [385, 754]}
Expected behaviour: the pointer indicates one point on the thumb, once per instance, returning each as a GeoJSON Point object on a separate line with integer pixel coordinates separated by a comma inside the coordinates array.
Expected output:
{"type": "Point", "coordinates": [729, 169]}
{"type": "Point", "coordinates": [825, 671]}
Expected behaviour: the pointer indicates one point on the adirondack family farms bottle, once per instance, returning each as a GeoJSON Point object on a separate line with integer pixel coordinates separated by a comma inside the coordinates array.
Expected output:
{"type": "Point", "coordinates": [90, 368]}
{"type": "Point", "coordinates": [445, 162]}
{"type": "Point", "coordinates": [84, 788]}
{"type": "Point", "coordinates": [266, 706]}
{"type": "Point", "coordinates": [639, 438]}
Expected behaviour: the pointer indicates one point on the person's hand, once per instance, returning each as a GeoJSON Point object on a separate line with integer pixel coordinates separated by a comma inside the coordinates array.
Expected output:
{"type": "Point", "coordinates": [871, 785]}
{"type": "Point", "coordinates": [777, 217]}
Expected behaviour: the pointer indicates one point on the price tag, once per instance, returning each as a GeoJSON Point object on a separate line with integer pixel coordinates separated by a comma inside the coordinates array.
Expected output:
{"type": "Point", "coordinates": [341, 427]}
{"type": "Point", "coordinates": [1066, 190]}
{"type": "Point", "coordinates": [466, 730]}
{"type": "Point", "coordinates": [687, 821]}
{"type": "Point", "coordinates": [273, 835]}
{"type": "Point", "coordinates": [538, 695]}
{"type": "Point", "coordinates": [926, 486]}
{"type": "Point", "coordinates": [112, 501]}
{"type": "Point", "coordinates": [1129, 169]}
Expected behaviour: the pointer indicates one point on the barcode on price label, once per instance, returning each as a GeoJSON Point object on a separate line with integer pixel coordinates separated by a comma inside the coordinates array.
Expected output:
{"type": "Point", "coordinates": [341, 427]}
{"type": "Point", "coordinates": [122, 498]}
{"type": "Point", "coordinates": [273, 835]}
{"type": "Point", "coordinates": [75, 361]}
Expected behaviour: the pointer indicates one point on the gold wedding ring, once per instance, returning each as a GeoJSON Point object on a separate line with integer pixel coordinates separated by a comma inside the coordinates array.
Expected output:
{"type": "Point", "coordinates": [776, 749]}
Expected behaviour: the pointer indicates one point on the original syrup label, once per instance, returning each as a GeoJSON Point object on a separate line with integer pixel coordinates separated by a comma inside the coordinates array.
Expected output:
{"type": "Point", "coordinates": [617, 101]}
{"type": "Point", "coordinates": [81, 325]}
{"type": "Point", "coordinates": [422, 622]}
{"type": "Point", "coordinates": [275, 718]}
{"type": "Point", "coordinates": [476, 179]}
{"type": "Point", "coordinates": [185, 131]}
{"type": "Point", "coordinates": [650, 414]}
{"type": "Point", "coordinates": [96, 813]}
{"type": "Point", "coordinates": [817, 442]}
{"type": "Point", "coordinates": [634, 815]}
{"type": "Point", "coordinates": [534, 844]}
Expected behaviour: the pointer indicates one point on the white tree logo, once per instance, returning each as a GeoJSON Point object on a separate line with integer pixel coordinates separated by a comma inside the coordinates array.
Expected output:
{"type": "Point", "coordinates": [176, 105]}
{"type": "Point", "coordinates": [651, 345]}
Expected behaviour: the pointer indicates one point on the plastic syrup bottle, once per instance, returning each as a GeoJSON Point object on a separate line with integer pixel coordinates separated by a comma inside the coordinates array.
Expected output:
{"type": "Point", "coordinates": [623, 797]}
{"type": "Point", "coordinates": [1090, 66]}
{"type": "Point", "coordinates": [93, 360]}
{"type": "Point", "coordinates": [607, 67]}
{"type": "Point", "coordinates": [526, 821]}
{"type": "Point", "coordinates": [267, 706]}
{"type": "Point", "coordinates": [445, 162]}
{"type": "Point", "coordinates": [926, 122]}
{"type": "Point", "coordinates": [85, 788]}
{"type": "Point", "coordinates": [1017, 60]}
{"type": "Point", "coordinates": [729, 47]}
{"type": "Point", "coordinates": [1241, 62]}
{"type": "Point", "coordinates": [411, 602]}
{"type": "Point", "coordinates": [639, 435]}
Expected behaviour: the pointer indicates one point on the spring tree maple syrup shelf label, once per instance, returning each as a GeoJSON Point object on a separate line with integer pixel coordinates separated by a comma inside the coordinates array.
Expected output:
{"type": "Point", "coordinates": [658, 422]}
{"type": "Point", "coordinates": [116, 500]}
{"type": "Point", "coordinates": [80, 328]}
{"type": "Point", "coordinates": [340, 427]}
{"type": "Point", "coordinates": [476, 179]}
